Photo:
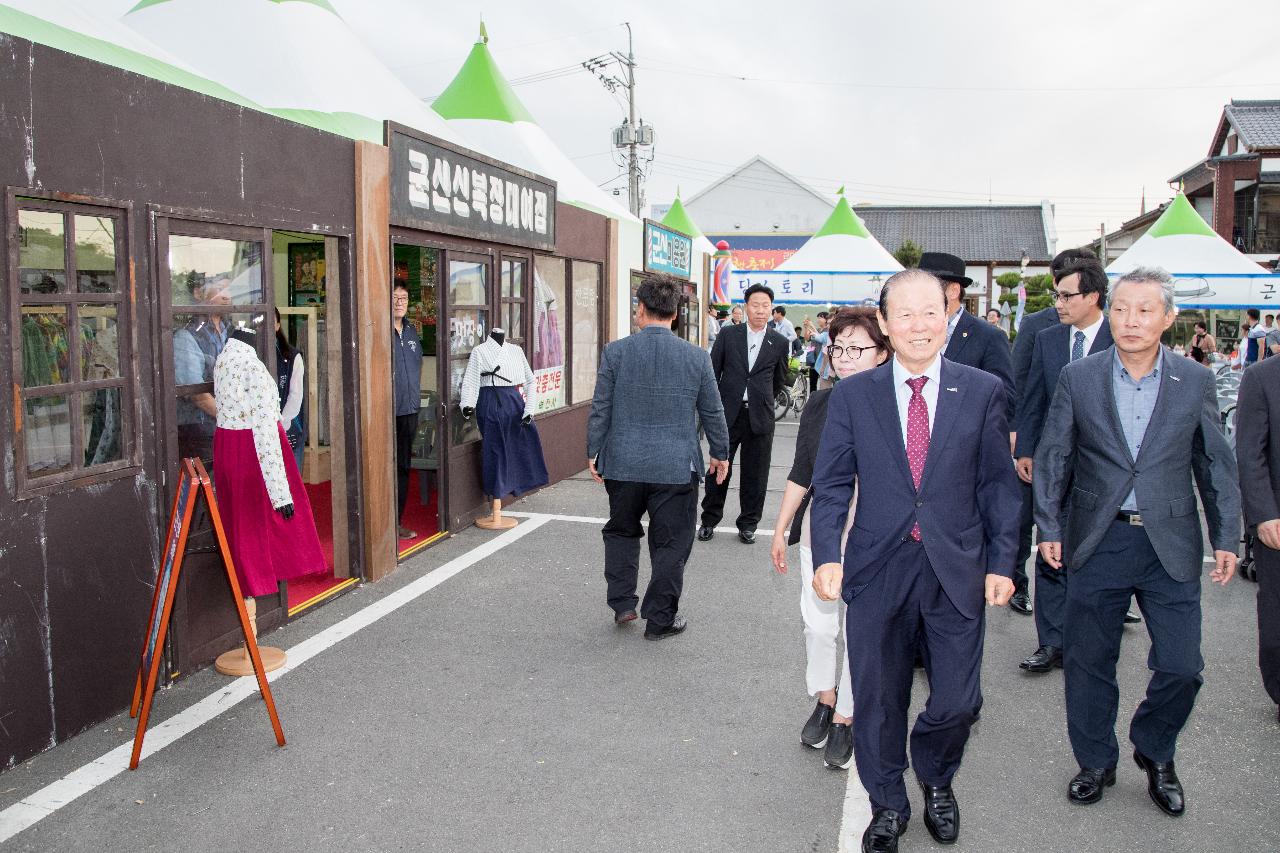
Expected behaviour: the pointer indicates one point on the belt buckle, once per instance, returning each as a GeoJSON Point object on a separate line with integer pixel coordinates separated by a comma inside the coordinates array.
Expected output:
{"type": "Point", "coordinates": [1135, 520]}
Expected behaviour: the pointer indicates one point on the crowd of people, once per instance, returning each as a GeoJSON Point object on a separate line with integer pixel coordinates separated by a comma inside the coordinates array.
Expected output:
{"type": "Point", "coordinates": [930, 458]}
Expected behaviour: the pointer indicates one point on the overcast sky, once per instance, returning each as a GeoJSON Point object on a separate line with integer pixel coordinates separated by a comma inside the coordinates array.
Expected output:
{"type": "Point", "coordinates": [1084, 103]}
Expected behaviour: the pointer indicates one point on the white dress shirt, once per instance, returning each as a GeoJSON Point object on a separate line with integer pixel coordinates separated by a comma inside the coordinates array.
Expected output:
{"type": "Point", "coordinates": [755, 342]}
{"type": "Point", "coordinates": [1090, 333]}
{"type": "Point", "coordinates": [902, 391]}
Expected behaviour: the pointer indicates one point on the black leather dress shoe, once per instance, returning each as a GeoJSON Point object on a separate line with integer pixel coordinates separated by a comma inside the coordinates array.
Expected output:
{"type": "Point", "coordinates": [839, 752]}
{"type": "Point", "coordinates": [748, 537]}
{"type": "Point", "coordinates": [1163, 785]}
{"type": "Point", "coordinates": [705, 533]}
{"type": "Point", "coordinates": [941, 813]}
{"type": "Point", "coordinates": [624, 616]}
{"type": "Point", "coordinates": [1043, 659]}
{"type": "Point", "coordinates": [1087, 786]}
{"type": "Point", "coordinates": [883, 832]}
{"type": "Point", "coordinates": [1131, 618]}
{"type": "Point", "coordinates": [1020, 602]}
{"type": "Point", "coordinates": [664, 631]}
{"type": "Point", "coordinates": [816, 728]}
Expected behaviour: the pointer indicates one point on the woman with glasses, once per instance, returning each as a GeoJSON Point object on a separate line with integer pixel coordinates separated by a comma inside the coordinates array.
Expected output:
{"type": "Point", "coordinates": [857, 344]}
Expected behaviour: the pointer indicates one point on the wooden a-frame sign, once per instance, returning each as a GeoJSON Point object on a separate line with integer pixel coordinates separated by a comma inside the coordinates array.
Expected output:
{"type": "Point", "coordinates": [192, 481]}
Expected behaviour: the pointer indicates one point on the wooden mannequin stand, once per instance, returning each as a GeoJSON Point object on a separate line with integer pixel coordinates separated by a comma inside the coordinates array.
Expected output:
{"type": "Point", "coordinates": [497, 521]}
{"type": "Point", "coordinates": [237, 661]}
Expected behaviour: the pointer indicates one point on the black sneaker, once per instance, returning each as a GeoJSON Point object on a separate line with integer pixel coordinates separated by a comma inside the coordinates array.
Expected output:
{"type": "Point", "coordinates": [652, 632]}
{"type": "Point", "coordinates": [839, 752]}
{"type": "Point", "coordinates": [814, 733]}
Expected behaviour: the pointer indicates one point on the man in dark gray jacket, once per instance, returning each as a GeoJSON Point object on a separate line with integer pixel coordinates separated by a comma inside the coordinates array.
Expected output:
{"type": "Point", "coordinates": [642, 444]}
{"type": "Point", "coordinates": [1131, 432]}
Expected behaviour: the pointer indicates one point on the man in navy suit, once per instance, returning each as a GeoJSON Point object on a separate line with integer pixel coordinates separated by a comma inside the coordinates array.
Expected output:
{"type": "Point", "coordinates": [934, 534]}
{"type": "Point", "coordinates": [1080, 295]}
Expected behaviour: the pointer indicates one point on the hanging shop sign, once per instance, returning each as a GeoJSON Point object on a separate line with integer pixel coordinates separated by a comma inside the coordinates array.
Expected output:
{"type": "Point", "coordinates": [666, 250]}
{"type": "Point", "coordinates": [436, 186]}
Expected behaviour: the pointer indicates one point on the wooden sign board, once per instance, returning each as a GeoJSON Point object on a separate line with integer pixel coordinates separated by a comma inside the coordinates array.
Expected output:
{"type": "Point", "coordinates": [193, 481]}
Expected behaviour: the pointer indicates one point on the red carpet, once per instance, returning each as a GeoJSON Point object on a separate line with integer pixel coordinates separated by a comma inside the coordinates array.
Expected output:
{"type": "Point", "coordinates": [421, 519]}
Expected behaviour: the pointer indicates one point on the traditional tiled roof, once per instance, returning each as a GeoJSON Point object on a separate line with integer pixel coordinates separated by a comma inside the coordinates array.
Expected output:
{"type": "Point", "coordinates": [976, 233]}
{"type": "Point", "coordinates": [1257, 123]}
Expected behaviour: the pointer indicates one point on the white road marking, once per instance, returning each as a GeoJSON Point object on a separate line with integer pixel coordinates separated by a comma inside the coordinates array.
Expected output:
{"type": "Point", "coordinates": [591, 519]}
{"type": "Point", "coordinates": [50, 798]}
{"type": "Point", "coordinates": [855, 816]}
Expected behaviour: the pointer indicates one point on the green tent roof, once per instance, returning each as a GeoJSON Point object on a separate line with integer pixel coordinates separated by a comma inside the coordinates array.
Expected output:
{"type": "Point", "coordinates": [1181, 218]}
{"type": "Point", "coordinates": [323, 4]}
{"type": "Point", "coordinates": [480, 91]}
{"type": "Point", "coordinates": [678, 218]}
{"type": "Point", "coordinates": [843, 221]}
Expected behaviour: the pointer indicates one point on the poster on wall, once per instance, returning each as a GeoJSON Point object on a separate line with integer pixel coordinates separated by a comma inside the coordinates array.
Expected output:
{"type": "Point", "coordinates": [818, 288]}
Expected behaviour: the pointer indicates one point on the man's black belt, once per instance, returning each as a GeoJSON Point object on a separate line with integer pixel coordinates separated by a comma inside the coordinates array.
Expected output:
{"type": "Point", "coordinates": [1129, 518]}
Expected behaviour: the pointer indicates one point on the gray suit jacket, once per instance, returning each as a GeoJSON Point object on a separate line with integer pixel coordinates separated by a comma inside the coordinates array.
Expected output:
{"type": "Point", "coordinates": [1082, 437]}
{"type": "Point", "coordinates": [651, 390]}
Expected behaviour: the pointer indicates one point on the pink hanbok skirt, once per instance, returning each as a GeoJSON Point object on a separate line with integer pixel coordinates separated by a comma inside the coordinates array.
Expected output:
{"type": "Point", "coordinates": [265, 546]}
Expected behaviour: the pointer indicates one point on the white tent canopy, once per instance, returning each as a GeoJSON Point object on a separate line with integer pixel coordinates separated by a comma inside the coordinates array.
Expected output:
{"type": "Point", "coordinates": [1208, 271]}
{"type": "Point", "coordinates": [841, 264]}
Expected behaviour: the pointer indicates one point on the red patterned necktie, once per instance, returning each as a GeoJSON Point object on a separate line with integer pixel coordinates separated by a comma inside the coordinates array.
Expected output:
{"type": "Point", "coordinates": [917, 436]}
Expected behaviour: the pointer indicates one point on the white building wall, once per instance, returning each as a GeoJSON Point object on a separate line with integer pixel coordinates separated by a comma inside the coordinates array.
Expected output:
{"type": "Point", "coordinates": [758, 200]}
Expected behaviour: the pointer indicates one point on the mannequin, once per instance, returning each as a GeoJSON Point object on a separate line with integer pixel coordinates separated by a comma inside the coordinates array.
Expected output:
{"type": "Point", "coordinates": [264, 508]}
{"type": "Point", "coordinates": [511, 450]}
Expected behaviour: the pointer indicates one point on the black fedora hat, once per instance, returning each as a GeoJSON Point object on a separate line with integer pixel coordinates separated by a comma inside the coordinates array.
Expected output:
{"type": "Point", "coordinates": [946, 267]}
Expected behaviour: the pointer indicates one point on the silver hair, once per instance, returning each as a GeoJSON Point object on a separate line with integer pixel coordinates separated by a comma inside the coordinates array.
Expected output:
{"type": "Point", "coordinates": [907, 275]}
{"type": "Point", "coordinates": [1149, 275]}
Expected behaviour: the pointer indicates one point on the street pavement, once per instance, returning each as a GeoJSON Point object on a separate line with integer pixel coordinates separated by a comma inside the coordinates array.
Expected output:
{"type": "Point", "coordinates": [498, 708]}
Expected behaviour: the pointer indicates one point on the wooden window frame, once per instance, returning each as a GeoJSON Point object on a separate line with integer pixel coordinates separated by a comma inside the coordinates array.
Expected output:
{"type": "Point", "coordinates": [523, 334]}
{"type": "Point", "coordinates": [492, 271]}
{"type": "Point", "coordinates": [124, 300]}
{"type": "Point", "coordinates": [571, 293]}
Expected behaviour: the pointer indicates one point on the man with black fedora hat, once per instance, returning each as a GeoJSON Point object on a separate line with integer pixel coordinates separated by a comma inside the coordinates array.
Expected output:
{"type": "Point", "coordinates": [970, 340]}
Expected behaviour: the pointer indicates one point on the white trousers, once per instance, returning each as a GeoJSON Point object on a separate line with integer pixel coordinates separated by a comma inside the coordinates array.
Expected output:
{"type": "Point", "coordinates": [827, 659]}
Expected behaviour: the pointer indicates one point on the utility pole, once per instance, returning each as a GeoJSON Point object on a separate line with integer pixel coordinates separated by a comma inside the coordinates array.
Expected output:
{"type": "Point", "coordinates": [632, 135]}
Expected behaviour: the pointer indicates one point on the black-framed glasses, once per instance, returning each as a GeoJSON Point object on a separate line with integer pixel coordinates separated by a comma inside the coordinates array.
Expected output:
{"type": "Point", "coordinates": [836, 351]}
{"type": "Point", "coordinates": [1064, 296]}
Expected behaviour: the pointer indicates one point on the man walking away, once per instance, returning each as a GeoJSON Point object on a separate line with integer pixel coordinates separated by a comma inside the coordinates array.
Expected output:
{"type": "Point", "coordinates": [642, 444]}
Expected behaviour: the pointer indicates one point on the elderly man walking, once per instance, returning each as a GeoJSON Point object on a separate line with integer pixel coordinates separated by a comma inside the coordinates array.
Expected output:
{"type": "Point", "coordinates": [1131, 432]}
{"type": "Point", "coordinates": [652, 390]}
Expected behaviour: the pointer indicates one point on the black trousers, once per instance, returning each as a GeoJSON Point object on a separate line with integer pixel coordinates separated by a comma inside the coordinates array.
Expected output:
{"type": "Point", "coordinates": [1268, 562]}
{"type": "Point", "coordinates": [901, 610]}
{"type": "Point", "coordinates": [671, 510]}
{"type": "Point", "coordinates": [1098, 596]}
{"type": "Point", "coordinates": [813, 379]}
{"type": "Point", "coordinates": [406, 427]}
{"type": "Point", "coordinates": [756, 450]}
{"type": "Point", "coordinates": [1024, 540]}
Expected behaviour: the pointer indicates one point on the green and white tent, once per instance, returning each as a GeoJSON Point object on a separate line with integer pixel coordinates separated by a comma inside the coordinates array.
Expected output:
{"type": "Point", "coordinates": [842, 264]}
{"type": "Point", "coordinates": [678, 218]}
{"type": "Point", "coordinates": [297, 58]}
{"type": "Point", "coordinates": [1208, 271]}
{"type": "Point", "coordinates": [481, 105]}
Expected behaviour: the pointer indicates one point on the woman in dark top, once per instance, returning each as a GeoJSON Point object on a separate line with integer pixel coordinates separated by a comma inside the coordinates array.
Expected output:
{"type": "Point", "coordinates": [857, 344]}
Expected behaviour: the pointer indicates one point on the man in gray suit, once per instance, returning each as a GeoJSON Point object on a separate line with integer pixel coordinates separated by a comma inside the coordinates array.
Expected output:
{"type": "Point", "coordinates": [642, 444]}
{"type": "Point", "coordinates": [1128, 431]}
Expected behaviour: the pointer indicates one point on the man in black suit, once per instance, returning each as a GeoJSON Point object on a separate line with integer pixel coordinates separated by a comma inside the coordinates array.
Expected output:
{"type": "Point", "coordinates": [1258, 457]}
{"type": "Point", "coordinates": [750, 364]}
{"type": "Point", "coordinates": [1080, 295]}
{"type": "Point", "coordinates": [1032, 325]}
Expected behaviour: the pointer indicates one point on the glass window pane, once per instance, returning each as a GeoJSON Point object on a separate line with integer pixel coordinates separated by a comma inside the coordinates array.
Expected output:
{"type": "Point", "coordinates": [513, 320]}
{"type": "Point", "coordinates": [46, 434]}
{"type": "Point", "coordinates": [586, 329]}
{"type": "Point", "coordinates": [467, 328]}
{"type": "Point", "coordinates": [95, 254]}
{"type": "Point", "coordinates": [467, 285]}
{"type": "Point", "coordinates": [42, 246]}
{"type": "Point", "coordinates": [461, 431]}
{"type": "Point", "coordinates": [214, 271]}
{"type": "Point", "coordinates": [99, 342]}
{"type": "Point", "coordinates": [513, 279]}
{"type": "Point", "coordinates": [198, 339]}
{"type": "Point", "coordinates": [548, 332]}
{"type": "Point", "coordinates": [100, 413]}
{"type": "Point", "coordinates": [45, 346]}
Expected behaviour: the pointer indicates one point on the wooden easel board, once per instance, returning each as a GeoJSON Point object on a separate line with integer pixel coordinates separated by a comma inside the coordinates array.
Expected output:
{"type": "Point", "coordinates": [193, 481]}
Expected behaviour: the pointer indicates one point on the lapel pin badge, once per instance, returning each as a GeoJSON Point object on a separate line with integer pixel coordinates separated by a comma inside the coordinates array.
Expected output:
{"type": "Point", "coordinates": [953, 389]}
{"type": "Point", "coordinates": [1175, 378]}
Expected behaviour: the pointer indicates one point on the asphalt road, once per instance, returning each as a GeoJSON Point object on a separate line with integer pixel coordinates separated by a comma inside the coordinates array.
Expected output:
{"type": "Point", "coordinates": [500, 709]}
